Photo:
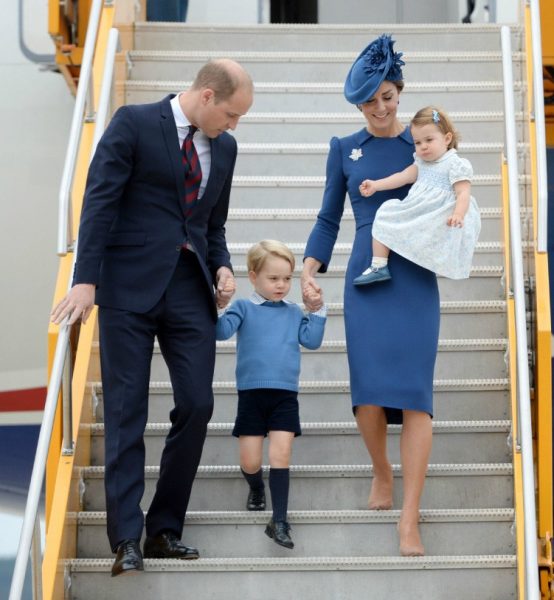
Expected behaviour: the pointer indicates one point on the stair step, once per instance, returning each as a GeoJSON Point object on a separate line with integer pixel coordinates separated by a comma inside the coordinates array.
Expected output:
{"type": "Point", "coordinates": [294, 224]}
{"type": "Point", "coordinates": [289, 191]}
{"type": "Point", "coordinates": [484, 399]}
{"type": "Point", "coordinates": [331, 487]}
{"type": "Point", "coordinates": [486, 254]}
{"type": "Point", "coordinates": [489, 576]}
{"type": "Point", "coordinates": [326, 96]}
{"type": "Point", "coordinates": [328, 38]}
{"type": "Point", "coordinates": [453, 442]}
{"type": "Point", "coordinates": [483, 283]}
{"type": "Point", "coordinates": [319, 66]}
{"type": "Point", "coordinates": [301, 126]}
{"type": "Point", "coordinates": [215, 534]}
{"type": "Point", "coordinates": [301, 159]}
{"type": "Point", "coordinates": [480, 357]}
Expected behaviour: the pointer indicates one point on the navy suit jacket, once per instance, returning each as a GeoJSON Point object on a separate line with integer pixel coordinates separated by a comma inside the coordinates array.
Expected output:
{"type": "Point", "coordinates": [133, 226]}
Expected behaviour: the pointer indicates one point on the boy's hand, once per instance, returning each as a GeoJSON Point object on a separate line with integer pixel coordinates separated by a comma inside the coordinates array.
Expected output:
{"type": "Point", "coordinates": [313, 299]}
{"type": "Point", "coordinates": [455, 220]}
{"type": "Point", "coordinates": [368, 188]}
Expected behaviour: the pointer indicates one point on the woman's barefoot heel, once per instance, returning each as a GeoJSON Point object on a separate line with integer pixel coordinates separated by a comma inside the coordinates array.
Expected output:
{"type": "Point", "coordinates": [380, 496]}
{"type": "Point", "coordinates": [410, 540]}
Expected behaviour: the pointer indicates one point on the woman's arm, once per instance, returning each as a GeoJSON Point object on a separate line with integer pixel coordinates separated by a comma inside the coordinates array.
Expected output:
{"type": "Point", "coordinates": [462, 189]}
{"type": "Point", "coordinates": [368, 187]}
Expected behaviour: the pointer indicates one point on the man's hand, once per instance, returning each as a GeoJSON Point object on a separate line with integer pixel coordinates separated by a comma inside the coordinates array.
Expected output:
{"type": "Point", "coordinates": [226, 286]}
{"type": "Point", "coordinates": [78, 303]}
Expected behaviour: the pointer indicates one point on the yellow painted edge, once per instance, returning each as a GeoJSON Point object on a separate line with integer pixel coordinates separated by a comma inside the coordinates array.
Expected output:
{"type": "Point", "coordinates": [516, 456]}
{"type": "Point", "coordinates": [64, 271]}
{"type": "Point", "coordinates": [54, 17]}
{"type": "Point", "coordinates": [61, 537]}
{"type": "Point", "coordinates": [543, 352]}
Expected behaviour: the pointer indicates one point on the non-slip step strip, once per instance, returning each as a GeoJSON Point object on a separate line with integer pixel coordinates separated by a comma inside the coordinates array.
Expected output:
{"type": "Point", "coordinates": [319, 181]}
{"type": "Point", "coordinates": [326, 87]}
{"type": "Point", "coordinates": [232, 471]}
{"type": "Point", "coordinates": [326, 516]}
{"type": "Point", "coordinates": [317, 56]}
{"type": "Point", "coordinates": [334, 428]}
{"type": "Point", "coordinates": [345, 248]}
{"type": "Point", "coordinates": [321, 148]}
{"type": "Point", "coordinates": [362, 563]}
{"type": "Point", "coordinates": [318, 387]}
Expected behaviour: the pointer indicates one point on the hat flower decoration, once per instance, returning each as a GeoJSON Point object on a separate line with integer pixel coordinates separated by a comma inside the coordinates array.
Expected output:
{"type": "Point", "coordinates": [376, 63]}
{"type": "Point", "coordinates": [381, 58]}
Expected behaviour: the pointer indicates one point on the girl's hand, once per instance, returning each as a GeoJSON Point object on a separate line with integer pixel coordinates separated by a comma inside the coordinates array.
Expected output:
{"type": "Point", "coordinates": [368, 188]}
{"type": "Point", "coordinates": [455, 220]}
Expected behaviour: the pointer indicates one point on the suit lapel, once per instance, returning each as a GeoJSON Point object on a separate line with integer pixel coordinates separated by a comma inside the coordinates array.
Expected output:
{"type": "Point", "coordinates": [169, 130]}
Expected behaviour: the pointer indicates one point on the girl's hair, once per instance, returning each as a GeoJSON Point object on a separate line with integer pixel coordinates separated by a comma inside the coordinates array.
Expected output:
{"type": "Point", "coordinates": [431, 115]}
{"type": "Point", "coordinates": [257, 255]}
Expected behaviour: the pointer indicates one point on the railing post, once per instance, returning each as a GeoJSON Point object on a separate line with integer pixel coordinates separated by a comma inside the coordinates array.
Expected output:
{"type": "Point", "coordinates": [67, 404]}
{"type": "Point", "coordinates": [36, 561]}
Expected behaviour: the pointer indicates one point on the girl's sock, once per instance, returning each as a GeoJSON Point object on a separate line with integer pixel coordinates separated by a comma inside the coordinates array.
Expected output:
{"type": "Point", "coordinates": [279, 487]}
{"type": "Point", "coordinates": [255, 480]}
{"type": "Point", "coordinates": [378, 262]}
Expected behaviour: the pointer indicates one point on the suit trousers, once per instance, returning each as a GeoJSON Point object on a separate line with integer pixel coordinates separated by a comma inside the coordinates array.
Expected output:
{"type": "Point", "coordinates": [183, 322]}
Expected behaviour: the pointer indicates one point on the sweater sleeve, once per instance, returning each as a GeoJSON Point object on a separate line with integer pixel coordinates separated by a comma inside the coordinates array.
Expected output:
{"type": "Point", "coordinates": [230, 321]}
{"type": "Point", "coordinates": [310, 333]}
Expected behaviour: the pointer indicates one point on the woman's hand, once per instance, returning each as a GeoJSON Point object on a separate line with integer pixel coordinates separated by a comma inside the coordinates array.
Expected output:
{"type": "Point", "coordinates": [311, 291]}
{"type": "Point", "coordinates": [368, 187]}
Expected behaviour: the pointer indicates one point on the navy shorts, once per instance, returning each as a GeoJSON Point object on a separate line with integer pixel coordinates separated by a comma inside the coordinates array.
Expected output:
{"type": "Point", "coordinates": [263, 410]}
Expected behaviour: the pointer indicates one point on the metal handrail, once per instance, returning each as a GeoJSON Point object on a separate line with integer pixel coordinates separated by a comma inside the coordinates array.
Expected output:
{"type": "Point", "coordinates": [523, 399]}
{"type": "Point", "coordinates": [83, 99]}
{"type": "Point", "coordinates": [39, 466]}
{"type": "Point", "coordinates": [540, 134]}
{"type": "Point", "coordinates": [29, 541]}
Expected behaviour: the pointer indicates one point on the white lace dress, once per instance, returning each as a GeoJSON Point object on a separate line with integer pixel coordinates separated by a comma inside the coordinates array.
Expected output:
{"type": "Point", "coordinates": [416, 227]}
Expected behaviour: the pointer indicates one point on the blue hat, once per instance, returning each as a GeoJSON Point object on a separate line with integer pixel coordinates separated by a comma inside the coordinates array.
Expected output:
{"type": "Point", "coordinates": [377, 63]}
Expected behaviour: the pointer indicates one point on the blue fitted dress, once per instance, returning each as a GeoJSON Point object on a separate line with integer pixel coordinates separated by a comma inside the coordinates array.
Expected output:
{"type": "Point", "coordinates": [392, 328]}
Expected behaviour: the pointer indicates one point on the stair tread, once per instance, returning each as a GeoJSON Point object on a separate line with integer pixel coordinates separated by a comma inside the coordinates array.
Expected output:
{"type": "Point", "coordinates": [434, 469]}
{"type": "Point", "coordinates": [326, 516]}
{"type": "Point", "coordinates": [310, 563]}
{"type": "Point", "coordinates": [343, 427]}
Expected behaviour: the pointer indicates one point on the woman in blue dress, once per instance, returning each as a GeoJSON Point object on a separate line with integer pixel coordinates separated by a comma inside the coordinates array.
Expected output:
{"type": "Point", "coordinates": [391, 329]}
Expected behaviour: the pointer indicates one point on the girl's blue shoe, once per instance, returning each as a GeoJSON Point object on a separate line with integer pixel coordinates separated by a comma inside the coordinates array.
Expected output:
{"type": "Point", "coordinates": [373, 275]}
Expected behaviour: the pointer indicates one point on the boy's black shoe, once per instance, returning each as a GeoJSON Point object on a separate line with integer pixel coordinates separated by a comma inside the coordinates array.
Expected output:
{"type": "Point", "coordinates": [256, 499]}
{"type": "Point", "coordinates": [128, 559]}
{"type": "Point", "coordinates": [279, 531]}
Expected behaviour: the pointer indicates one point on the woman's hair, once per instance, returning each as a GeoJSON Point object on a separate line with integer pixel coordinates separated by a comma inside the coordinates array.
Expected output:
{"type": "Point", "coordinates": [257, 255]}
{"type": "Point", "coordinates": [223, 76]}
{"type": "Point", "coordinates": [431, 115]}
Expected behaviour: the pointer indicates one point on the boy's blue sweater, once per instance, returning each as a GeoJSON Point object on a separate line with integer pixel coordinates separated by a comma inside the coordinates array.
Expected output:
{"type": "Point", "coordinates": [268, 341]}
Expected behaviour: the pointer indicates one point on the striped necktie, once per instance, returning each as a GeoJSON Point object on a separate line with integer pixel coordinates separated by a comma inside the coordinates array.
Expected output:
{"type": "Point", "coordinates": [193, 172]}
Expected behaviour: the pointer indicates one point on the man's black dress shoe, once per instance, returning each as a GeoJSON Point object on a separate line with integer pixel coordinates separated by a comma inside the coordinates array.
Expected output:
{"type": "Point", "coordinates": [168, 545]}
{"type": "Point", "coordinates": [128, 559]}
{"type": "Point", "coordinates": [279, 531]}
{"type": "Point", "coordinates": [256, 499]}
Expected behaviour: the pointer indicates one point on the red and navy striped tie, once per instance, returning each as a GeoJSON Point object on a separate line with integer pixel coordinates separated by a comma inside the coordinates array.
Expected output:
{"type": "Point", "coordinates": [193, 172]}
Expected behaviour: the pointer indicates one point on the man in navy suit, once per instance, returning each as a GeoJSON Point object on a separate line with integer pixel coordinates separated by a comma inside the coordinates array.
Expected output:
{"type": "Point", "coordinates": [157, 267]}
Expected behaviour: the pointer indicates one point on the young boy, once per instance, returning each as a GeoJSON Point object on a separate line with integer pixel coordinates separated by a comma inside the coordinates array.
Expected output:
{"type": "Point", "coordinates": [269, 331]}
